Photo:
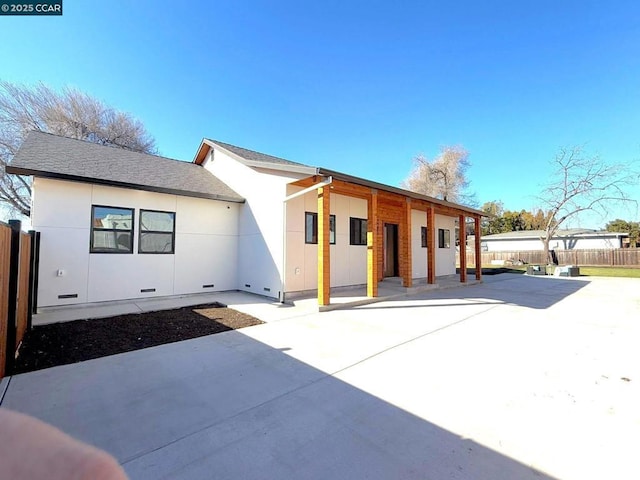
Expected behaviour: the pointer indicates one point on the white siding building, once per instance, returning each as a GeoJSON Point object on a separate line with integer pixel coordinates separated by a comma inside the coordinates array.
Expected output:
{"type": "Point", "coordinates": [121, 225]}
{"type": "Point", "coordinates": [573, 239]}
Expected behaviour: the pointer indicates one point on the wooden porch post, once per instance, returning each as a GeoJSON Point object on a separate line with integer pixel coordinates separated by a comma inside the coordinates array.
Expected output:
{"type": "Point", "coordinates": [462, 233]}
{"type": "Point", "coordinates": [431, 245]}
{"type": "Point", "coordinates": [324, 261]}
{"type": "Point", "coordinates": [372, 245]}
{"type": "Point", "coordinates": [478, 249]}
{"type": "Point", "coordinates": [405, 262]}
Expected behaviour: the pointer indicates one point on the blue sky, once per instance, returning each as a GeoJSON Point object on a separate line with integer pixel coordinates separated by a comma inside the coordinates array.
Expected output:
{"type": "Point", "coordinates": [358, 86]}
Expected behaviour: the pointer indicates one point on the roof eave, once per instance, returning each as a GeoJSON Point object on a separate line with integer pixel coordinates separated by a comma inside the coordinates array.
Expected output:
{"type": "Point", "coordinates": [203, 150]}
{"type": "Point", "coordinates": [283, 167]}
{"type": "Point", "coordinates": [400, 191]}
{"type": "Point", "coordinates": [148, 188]}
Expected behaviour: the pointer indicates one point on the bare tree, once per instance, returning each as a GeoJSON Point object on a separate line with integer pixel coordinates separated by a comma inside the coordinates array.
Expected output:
{"type": "Point", "coordinates": [444, 177]}
{"type": "Point", "coordinates": [581, 183]}
{"type": "Point", "coordinates": [70, 113]}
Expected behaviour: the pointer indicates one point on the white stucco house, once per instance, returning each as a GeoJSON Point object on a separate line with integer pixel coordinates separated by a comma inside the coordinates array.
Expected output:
{"type": "Point", "coordinates": [116, 225]}
{"type": "Point", "coordinates": [571, 239]}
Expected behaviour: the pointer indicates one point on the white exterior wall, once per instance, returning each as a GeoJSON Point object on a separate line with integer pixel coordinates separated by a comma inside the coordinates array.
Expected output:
{"type": "Point", "coordinates": [512, 245]}
{"type": "Point", "coordinates": [348, 262]}
{"type": "Point", "coordinates": [446, 257]}
{"type": "Point", "coordinates": [61, 212]}
{"type": "Point", "coordinates": [261, 226]}
{"type": "Point", "coordinates": [205, 245]}
{"type": "Point", "coordinates": [418, 253]}
{"type": "Point", "coordinates": [591, 242]}
{"type": "Point", "coordinates": [584, 243]}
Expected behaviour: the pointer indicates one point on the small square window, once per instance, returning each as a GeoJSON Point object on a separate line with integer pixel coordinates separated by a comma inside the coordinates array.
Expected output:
{"type": "Point", "coordinates": [111, 230]}
{"type": "Point", "coordinates": [311, 228]}
{"type": "Point", "coordinates": [357, 231]}
{"type": "Point", "coordinates": [423, 236]}
{"type": "Point", "coordinates": [444, 238]}
{"type": "Point", "coordinates": [157, 232]}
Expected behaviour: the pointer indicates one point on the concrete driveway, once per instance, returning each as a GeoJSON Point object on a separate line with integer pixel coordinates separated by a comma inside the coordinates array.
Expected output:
{"type": "Point", "coordinates": [518, 378]}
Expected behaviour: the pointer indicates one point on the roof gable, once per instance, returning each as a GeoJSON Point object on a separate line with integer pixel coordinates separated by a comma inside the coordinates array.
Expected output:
{"type": "Point", "coordinates": [52, 156]}
{"type": "Point", "coordinates": [261, 160]}
{"type": "Point", "coordinates": [251, 158]}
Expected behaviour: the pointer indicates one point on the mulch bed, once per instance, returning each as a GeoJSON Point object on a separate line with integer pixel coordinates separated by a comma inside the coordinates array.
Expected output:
{"type": "Point", "coordinates": [70, 342]}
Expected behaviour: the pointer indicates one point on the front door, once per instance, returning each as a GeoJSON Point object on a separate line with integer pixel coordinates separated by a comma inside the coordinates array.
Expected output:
{"type": "Point", "coordinates": [390, 250]}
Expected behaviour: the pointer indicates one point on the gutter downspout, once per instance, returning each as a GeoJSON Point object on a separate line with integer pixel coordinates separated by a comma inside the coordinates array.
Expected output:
{"type": "Point", "coordinates": [324, 183]}
{"type": "Point", "coordinates": [328, 181]}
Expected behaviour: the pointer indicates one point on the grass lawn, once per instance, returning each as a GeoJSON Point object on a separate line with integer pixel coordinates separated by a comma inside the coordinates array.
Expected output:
{"type": "Point", "coordinates": [620, 272]}
{"type": "Point", "coordinates": [610, 272]}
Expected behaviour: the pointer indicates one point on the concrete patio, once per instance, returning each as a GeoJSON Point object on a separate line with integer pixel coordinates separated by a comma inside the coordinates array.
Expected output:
{"type": "Point", "coordinates": [268, 308]}
{"type": "Point", "coordinates": [388, 289]}
{"type": "Point", "coordinates": [518, 377]}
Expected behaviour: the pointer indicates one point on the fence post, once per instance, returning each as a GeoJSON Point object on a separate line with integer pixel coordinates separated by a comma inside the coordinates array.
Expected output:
{"type": "Point", "coordinates": [36, 271]}
{"type": "Point", "coordinates": [32, 292]}
{"type": "Point", "coordinates": [14, 267]}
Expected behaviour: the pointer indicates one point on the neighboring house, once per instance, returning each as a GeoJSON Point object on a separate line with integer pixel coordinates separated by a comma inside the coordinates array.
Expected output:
{"type": "Point", "coordinates": [119, 225]}
{"type": "Point", "coordinates": [572, 239]}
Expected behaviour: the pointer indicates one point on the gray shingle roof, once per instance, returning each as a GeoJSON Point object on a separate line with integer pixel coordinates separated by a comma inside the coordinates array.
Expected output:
{"type": "Point", "coordinates": [255, 156]}
{"type": "Point", "coordinates": [51, 156]}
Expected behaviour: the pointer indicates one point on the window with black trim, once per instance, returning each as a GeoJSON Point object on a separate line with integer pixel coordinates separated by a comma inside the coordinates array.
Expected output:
{"type": "Point", "coordinates": [423, 236]}
{"type": "Point", "coordinates": [444, 238]}
{"type": "Point", "coordinates": [311, 228]}
{"type": "Point", "coordinates": [157, 232]}
{"type": "Point", "coordinates": [111, 229]}
{"type": "Point", "coordinates": [357, 231]}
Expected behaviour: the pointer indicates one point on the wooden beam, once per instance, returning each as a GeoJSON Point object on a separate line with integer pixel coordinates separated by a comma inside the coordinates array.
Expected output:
{"type": "Point", "coordinates": [352, 188]}
{"type": "Point", "coordinates": [347, 192]}
{"type": "Point", "coordinates": [462, 233]}
{"type": "Point", "coordinates": [405, 252]}
{"type": "Point", "coordinates": [306, 182]}
{"type": "Point", "coordinates": [372, 245]}
{"type": "Point", "coordinates": [431, 246]}
{"type": "Point", "coordinates": [424, 205]}
{"type": "Point", "coordinates": [392, 198]}
{"type": "Point", "coordinates": [324, 260]}
{"type": "Point", "coordinates": [202, 153]}
{"type": "Point", "coordinates": [448, 211]}
{"type": "Point", "coordinates": [420, 205]}
{"type": "Point", "coordinates": [478, 249]}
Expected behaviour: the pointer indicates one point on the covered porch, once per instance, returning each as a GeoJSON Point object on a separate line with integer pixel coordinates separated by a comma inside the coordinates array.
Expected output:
{"type": "Point", "coordinates": [346, 297]}
{"type": "Point", "coordinates": [389, 237]}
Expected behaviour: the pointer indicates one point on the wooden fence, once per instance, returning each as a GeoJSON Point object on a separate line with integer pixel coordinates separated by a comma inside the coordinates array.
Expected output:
{"type": "Point", "coordinates": [18, 287]}
{"type": "Point", "coordinates": [618, 257]}
{"type": "Point", "coordinates": [5, 260]}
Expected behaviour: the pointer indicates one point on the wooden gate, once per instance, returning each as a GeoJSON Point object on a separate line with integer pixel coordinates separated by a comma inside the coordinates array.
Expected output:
{"type": "Point", "coordinates": [18, 287]}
